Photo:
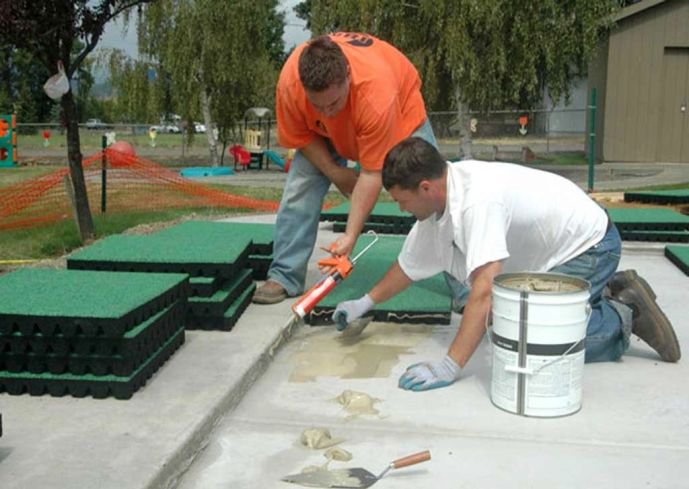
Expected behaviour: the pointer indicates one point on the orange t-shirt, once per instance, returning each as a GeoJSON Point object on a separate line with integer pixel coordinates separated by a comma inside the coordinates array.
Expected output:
{"type": "Point", "coordinates": [384, 104]}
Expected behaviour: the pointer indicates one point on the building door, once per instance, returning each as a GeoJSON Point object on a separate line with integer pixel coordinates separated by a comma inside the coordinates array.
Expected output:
{"type": "Point", "coordinates": [673, 135]}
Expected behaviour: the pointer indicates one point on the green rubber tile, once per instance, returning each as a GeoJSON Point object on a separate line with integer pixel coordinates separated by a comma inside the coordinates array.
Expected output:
{"type": "Point", "coordinates": [679, 255]}
{"type": "Point", "coordinates": [194, 254]}
{"type": "Point", "coordinates": [427, 301]}
{"type": "Point", "coordinates": [649, 219]}
{"type": "Point", "coordinates": [228, 319]}
{"type": "Point", "coordinates": [204, 286]}
{"type": "Point", "coordinates": [74, 302]}
{"type": "Point", "coordinates": [382, 212]}
{"type": "Point", "coordinates": [106, 356]}
{"type": "Point", "coordinates": [260, 235]}
{"type": "Point", "coordinates": [663, 197]}
{"type": "Point", "coordinates": [662, 236]}
{"type": "Point", "coordinates": [223, 298]}
{"type": "Point", "coordinates": [98, 386]}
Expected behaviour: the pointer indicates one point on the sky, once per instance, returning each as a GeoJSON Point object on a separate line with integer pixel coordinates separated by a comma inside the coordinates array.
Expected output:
{"type": "Point", "coordinates": [115, 37]}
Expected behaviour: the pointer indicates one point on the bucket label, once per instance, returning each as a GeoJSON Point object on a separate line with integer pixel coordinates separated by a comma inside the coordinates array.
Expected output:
{"type": "Point", "coordinates": [554, 390]}
{"type": "Point", "coordinates": [536, 349]}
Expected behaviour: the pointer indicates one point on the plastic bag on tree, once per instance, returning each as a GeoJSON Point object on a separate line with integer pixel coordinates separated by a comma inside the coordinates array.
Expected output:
{"type": "Point", "coordinates": [57, 85]}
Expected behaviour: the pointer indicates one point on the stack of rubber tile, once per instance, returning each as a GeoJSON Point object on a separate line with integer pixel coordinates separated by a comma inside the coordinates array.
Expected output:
{"type": "Point", "coordinates": [385, 218]}
{"type": "Point", "coordinates": [87, 333]}
{"type": "Point", "coordinates": [662, 197]}
{"type": "Point", "coordinates": [216, 256]}
{"type": "Point", "coordinates": [651, 224]}
{"type": "Point", "coordinates": [427, 301]}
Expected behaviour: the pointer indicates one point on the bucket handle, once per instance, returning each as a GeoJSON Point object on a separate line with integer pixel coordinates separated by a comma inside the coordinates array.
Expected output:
{"type": "Point", "coordinates": [530, 371]}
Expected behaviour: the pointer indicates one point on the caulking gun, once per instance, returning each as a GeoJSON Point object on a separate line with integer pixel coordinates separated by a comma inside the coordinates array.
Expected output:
{"type": "Point", "coordinates": [340, 268]}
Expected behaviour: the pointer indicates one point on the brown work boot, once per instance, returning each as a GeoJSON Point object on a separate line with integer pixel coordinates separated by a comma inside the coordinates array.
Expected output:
{"type": "Point", "coordinates": [270, 292]}
{"type": "Point", "coordinates": [649, 322]}
{"type": "Point", "coordinates": [622, 280]}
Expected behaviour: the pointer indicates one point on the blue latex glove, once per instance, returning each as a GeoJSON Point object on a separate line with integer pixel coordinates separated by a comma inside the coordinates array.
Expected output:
{"type": "Point", "coordinates": [348, 311]}
{"type": "Point", "coordinates": [430, 375]}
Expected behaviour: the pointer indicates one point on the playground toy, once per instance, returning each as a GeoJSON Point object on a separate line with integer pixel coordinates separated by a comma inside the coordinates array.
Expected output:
{"type": "Point", "coordinates": [123, 147]}
{"type": "Point", "coordinates": [8, 140]}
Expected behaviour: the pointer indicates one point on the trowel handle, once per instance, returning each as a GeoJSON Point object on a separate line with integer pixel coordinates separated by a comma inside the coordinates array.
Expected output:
{"type": "Point", "coordinates": [413, 459]}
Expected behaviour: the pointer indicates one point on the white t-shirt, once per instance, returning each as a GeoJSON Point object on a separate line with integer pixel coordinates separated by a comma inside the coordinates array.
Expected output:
{"type": "Point", "coordinates": [530, 219]}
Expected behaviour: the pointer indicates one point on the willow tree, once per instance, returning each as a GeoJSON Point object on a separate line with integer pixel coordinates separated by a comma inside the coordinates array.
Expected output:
{"type": "Point", "coordinates": [217, 56]}
{"type": "Point", "coordinates": [50, 31]}
{"type": "Point", "coordinates": [481, 55]}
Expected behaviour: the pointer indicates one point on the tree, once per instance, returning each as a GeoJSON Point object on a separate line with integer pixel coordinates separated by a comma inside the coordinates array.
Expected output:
{"type": "Point", "coordinates": [48, 31]}
{"type": "Point", "coordinates": [490, 54]}
{"type": "Point", "coordinates": [221, 57]}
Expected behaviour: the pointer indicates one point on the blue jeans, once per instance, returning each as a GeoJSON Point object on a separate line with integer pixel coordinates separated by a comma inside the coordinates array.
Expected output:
{"type": "Point", "coordinates": [607, 334]}
{"type": "Point", "coordinates": [297, 221]}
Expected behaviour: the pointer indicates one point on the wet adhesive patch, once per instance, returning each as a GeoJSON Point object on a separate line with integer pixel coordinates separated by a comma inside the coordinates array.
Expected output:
{"type": "Point", "coordinates": [372, 354]}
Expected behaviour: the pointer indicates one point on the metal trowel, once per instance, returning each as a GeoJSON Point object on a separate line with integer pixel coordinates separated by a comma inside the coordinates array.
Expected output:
{"type": "Point", "coordinates": [355, 477]}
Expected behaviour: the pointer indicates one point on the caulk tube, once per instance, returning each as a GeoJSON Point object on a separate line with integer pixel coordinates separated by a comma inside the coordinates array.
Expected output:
{"type": "Point", "coordinates": [311, 298]}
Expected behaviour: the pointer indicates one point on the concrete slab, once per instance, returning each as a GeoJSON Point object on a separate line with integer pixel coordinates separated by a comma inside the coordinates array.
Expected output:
{"type": "Point", "coordinates": [631, 432]}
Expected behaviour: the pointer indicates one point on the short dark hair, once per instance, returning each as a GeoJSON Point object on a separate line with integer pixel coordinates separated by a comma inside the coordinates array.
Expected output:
{"type": "Point", "coordinates": [410, 161]}
{"type": "Point", "coordinates": [322, 64]}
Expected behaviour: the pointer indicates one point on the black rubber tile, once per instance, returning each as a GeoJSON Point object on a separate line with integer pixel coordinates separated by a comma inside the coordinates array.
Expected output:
{"type": "Point", "coordinates": [661, 236]}
{"type": "Point", "coordinates": [260, 235]}
{"type": "Point", "coordinates": [120, 387]}
{"type": "Point", "coordinates": [655, 219]}
{"type": "Point", "coordinates": [195, 255]}
{"type": "Point", "coordinates": [260, 264]}
{"type": "Point", "coordinates": [217, 304]}
{"type": "Point", "coordinates": [662, 197]}
{"type": "Point", "coordinates": [204, 286]}
{"type": "Point", "coordinates": [71, 303]}
{"type": "Point", "coordinates": [382, 212]}
{"type": "Point", "coordinates": [228, 319]}
{"type": "Point", "coordinates": [427, 301]}
{"type": "Point", "coordinates": [679, 255]}
{"type": "Point", "coordinates": [102, 356]}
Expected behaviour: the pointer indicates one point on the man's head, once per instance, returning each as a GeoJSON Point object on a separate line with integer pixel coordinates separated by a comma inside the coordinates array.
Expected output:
{"type": "Point", "coordinates": [413, 173]}
{"type": "Point", "coordinates": [324, 73]}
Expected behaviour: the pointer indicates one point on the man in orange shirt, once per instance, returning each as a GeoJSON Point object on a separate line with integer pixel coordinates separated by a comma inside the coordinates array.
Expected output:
{"type": "Point", "coordinates": [340, 97]}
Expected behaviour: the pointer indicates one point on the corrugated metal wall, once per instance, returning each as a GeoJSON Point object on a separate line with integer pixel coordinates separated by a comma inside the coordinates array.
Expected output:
{"type": "Point", "coordinates": [647, 79]}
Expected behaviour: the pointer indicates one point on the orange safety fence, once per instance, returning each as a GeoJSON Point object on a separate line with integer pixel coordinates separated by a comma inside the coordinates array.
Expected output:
{"type": "Point", "coordinates": [132, 183]}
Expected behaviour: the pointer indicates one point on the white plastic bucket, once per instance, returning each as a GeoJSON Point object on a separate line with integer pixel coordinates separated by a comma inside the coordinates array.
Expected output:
{"type": "Point", "coordinates": [539, 328]}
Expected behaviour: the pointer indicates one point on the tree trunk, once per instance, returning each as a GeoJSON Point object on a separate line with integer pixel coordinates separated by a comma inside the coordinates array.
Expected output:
{"type": "Point", "coordinates": [84, 219]}
{"type": "Point", "coordinates": [464, 122]}
{"type": "Point", "coordinates": [208, 121]}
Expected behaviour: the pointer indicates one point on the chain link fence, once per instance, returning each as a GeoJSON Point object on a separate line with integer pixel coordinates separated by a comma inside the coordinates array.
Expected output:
{"type": "Point", "coordinates": [500, 135]}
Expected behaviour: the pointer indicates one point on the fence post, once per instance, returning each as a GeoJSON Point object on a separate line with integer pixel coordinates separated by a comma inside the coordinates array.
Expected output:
{"type": "Point", "coordinates": [592, 139]}
{"type": "Point", "coordinates": [103, 175]}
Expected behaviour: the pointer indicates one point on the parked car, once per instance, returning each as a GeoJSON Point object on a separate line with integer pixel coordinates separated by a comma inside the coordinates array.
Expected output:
{"type": "Point", "coordinates": [165, 128]}
{"type": "Point", "coordinates": [95, 124]}
{"type": "Point", "coordinates": [199, 128]}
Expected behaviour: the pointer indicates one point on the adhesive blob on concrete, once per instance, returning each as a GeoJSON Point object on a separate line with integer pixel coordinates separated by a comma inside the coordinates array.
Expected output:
{"type": "Point", "coordinates": [317, 438]}
{"type": "Point", "coordinates": [357, 403]}
{"type": "Point", "coordinates": [337, 453]}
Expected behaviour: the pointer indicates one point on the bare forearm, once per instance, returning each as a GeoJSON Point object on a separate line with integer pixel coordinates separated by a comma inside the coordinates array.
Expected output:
{"type": "Point", "coordinates": [364, 198]}
{"type": "Point", "coordinates": [319, 156]}
{"type": "Point", "coordinates": [476, 311]}
{"type": "Point", "coordinates": [393, 282]}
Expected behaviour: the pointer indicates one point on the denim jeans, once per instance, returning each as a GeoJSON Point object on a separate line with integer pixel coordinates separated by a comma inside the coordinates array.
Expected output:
{"type": "Point", "coordinates": [297, 220]}
{"type": "Point", "coordinates": [609, 328]}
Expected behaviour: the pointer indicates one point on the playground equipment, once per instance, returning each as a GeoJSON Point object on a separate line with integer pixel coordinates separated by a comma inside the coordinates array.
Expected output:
{"type": "Point", "coordinates": [257, 134]}
{"type": "Point", "coordinates": [275, 158]}
{"type": "Point", "coordinates": [123, 147]}
{"type": "Point", "coordinates": [8, 140]}
{"type": "Point", "coordinates": [240, 155]}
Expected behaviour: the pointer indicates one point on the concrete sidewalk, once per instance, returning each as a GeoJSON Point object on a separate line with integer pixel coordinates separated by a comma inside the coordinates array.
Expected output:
{"type": "Point", "coordinates": [231, 392]}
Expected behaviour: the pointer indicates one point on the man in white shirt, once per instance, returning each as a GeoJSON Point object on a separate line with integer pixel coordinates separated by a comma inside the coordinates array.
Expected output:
{"type": "Point", "coordinates": [477, 220]}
